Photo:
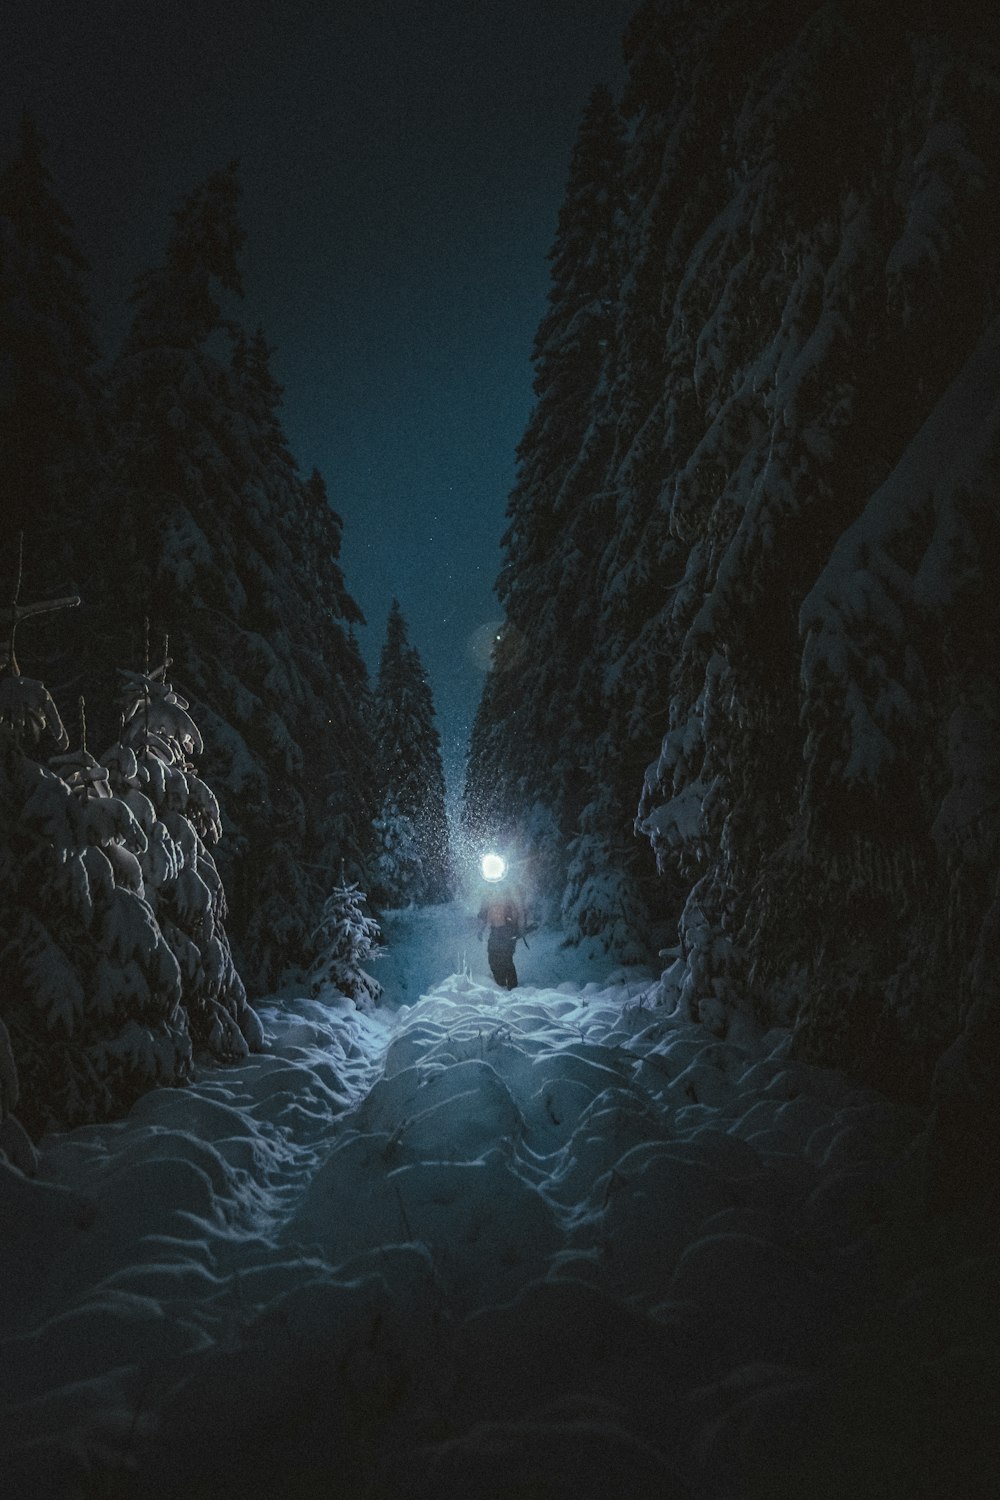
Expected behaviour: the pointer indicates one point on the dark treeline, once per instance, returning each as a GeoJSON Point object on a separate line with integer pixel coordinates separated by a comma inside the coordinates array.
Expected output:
{"type": "Point", "coordinates": [747, 685]}
{"type": "Point", "coordinates": [158, 487]}
{"type": "Point", "coordinates": [412, 857]}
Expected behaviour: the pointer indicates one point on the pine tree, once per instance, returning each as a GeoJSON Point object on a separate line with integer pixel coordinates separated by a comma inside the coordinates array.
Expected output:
{"type": "Point", "coordinates": [413, 859]}
{"type": "Point", "coordinates": [817, 291]}
{"type": "Point", "coordinates": [235, 557]}
{"type": "Point", "coordinates": [299, 602]}
{"type": "Point", "coordinates": [152, 769]}
{"type": "Point", "coordinates": [346, 938]}
{"type": "Point", "coordinates": [546, 766]}
{"type": "Point", "coordinates": [92, 994]}
{"type": "Point", "coordinates": [796, 368]}
{"type": "Point", "coordinates": [794, 434]}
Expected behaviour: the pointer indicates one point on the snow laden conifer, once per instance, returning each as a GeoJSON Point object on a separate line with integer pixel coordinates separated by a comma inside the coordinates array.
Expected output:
{"type": "Point", "coordinates": [803, 454]}
{"type": "Point", "coordinates": [827, 495]}
{"type": "Point", "coordinates": [346, 938]}
{"type": "Point", "coordinates": [412, 861]}
{"type": "Point", "coordinates": [784, 595]}
{"type": "Point", "coordinates": [557, 743]}
{"type": "Point", "coordinates": [298, 610]}
{"type": "Point", "coordinates": [17, 710]}
{"type": "Point", "coordinates": [235, 556]}
{"type": "Point", "coordinates": [152, 769]}
{"type": "Point", "coordinates": [91, 991]}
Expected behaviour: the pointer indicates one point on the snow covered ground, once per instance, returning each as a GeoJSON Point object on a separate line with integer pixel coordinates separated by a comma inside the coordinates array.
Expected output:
{"type": "Point", "coordinates": [558, 1243]}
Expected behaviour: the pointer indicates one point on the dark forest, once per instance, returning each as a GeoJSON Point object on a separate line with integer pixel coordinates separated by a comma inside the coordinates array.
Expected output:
{"type": "Point", "coordinates": [705, 1205]}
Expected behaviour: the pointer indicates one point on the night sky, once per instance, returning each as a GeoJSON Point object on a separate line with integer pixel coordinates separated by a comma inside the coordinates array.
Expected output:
{"type": "Point", "coordinates": [403, 163]}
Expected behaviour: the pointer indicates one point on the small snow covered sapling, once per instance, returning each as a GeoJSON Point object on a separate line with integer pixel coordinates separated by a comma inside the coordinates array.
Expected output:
{"type": "Point", "coordinates": [345, 938]}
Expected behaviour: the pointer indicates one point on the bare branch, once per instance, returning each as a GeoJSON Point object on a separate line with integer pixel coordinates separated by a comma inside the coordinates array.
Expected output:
{"type": "Point", "coordinates": [43, 607]}
{"type": "Point", "coordinates": [16, 612]}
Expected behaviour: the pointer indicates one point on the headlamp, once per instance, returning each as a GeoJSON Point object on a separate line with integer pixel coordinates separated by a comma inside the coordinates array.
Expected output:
{"type": "Point", "coordinates": [494, 867]}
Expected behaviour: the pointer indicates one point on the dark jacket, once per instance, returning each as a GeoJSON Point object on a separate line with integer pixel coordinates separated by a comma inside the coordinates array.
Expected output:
{"type": "Point", "coordinates": [504, 911]}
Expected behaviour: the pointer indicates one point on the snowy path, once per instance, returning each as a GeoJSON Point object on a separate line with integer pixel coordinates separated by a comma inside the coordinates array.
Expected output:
{"type": "Point", "coordinates": [551, 1244]}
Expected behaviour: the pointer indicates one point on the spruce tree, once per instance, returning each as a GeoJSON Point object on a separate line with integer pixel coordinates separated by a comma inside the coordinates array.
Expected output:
{"type": "Point", "coordinates": [346, 937]}
{"type": "Point", "coordinates": [788, 615]}
{"type": "Point", "coordinates": [544, 759]}
{"type": "Point", "coordinates": [152, 769]}
{"type": "Point", "coordinates": [413, 858]}
{"type": "Point", "coordinates": [235, 556]}
{"type": "Point", "coordinates": [92, 996]}
{"type": "Point", "coordinates": [801, 319]}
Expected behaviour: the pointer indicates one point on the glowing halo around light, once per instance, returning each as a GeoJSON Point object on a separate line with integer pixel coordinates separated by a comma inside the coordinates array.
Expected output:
{"type": "Point", "coordinates": [493, 866]}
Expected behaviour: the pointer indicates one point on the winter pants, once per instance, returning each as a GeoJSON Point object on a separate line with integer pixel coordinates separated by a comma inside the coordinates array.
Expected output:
{"type": "Point", "coordinates": [500, 952]}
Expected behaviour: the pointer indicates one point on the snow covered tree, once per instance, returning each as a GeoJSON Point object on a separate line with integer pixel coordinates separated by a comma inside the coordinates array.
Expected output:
{"type": "Point", "coordinates": [399, 865]}
{"type": "Point", "coordinates": [91, 998]}
{"type": "Point", "coordinates": [230, 552]}
{"type": "Point", "coordinates": [224, 546]}
{"type": "Point", "coordinates": [346, 938]}
{"type": "Point", "coordinates": [489, 806]}
{"type": "Point", "coordinates": [901, 795]}
{"type": "Point", "coordinates": [299, 603]}
{"type": "Point", "coordinates": [546, 766]}
{"type": "Point", "coordinates": [413, 859]}
{"type": "Point", "coordinates": [820, 521]}
{"type": "Point", "coordinates": [783, 587]}
{"type": "Point", "coordinates": [799, 367]}
{"type": "Point", "coordinates": [112, 937]}
{"type": "Point", "coordinates": [152, 769]}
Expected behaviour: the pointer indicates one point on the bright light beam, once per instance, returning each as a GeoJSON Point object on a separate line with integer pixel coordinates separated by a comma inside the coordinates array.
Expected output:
{"type": "Point", "coordinates": [494, 867]}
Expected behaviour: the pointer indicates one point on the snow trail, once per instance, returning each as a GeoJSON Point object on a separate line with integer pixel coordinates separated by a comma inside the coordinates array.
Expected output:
{"type": "Point", "coordinates": [560, 1242]}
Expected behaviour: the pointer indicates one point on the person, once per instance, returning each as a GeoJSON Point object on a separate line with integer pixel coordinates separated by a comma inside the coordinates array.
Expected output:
{"type": "Point", "coordinates": [503, 912]}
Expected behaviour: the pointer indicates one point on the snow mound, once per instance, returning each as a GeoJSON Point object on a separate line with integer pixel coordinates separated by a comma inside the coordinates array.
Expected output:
{"type": "Point", "coordinates": [555, 1242]}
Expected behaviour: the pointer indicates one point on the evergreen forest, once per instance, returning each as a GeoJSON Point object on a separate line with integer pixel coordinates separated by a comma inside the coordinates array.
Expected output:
{"type": "Point", "coordinates": [154, 495]}
{"type": "Point", "coordinates": [745, 700]}
{"type": "Point", "coordinates": [305, 1189]}
{"type": "Point", "coordinates": [742, 716]}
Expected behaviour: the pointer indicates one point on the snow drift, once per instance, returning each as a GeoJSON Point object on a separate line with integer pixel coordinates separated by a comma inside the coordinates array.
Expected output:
{"type": "Point", "coordinates": [562, 1243]}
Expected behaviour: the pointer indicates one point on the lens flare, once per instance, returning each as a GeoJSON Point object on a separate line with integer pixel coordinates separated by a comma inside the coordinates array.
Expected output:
{"type": "Point", "coordinates": [493, 866]}
{"type": "Point", "coordinates": [481, 644]}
